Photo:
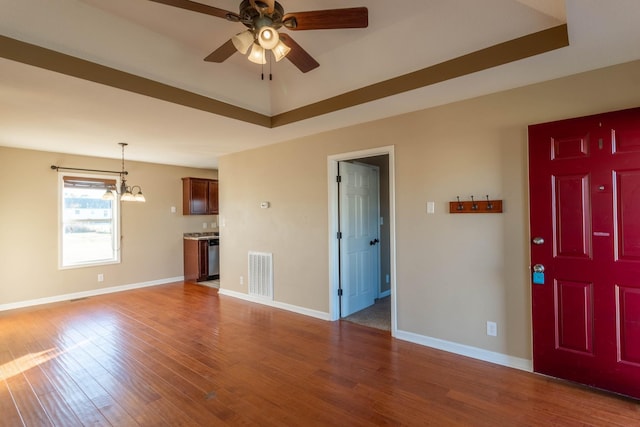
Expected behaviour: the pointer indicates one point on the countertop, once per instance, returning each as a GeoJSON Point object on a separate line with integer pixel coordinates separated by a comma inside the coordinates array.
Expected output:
{"type": "Point", "coordinates": [202, 236]}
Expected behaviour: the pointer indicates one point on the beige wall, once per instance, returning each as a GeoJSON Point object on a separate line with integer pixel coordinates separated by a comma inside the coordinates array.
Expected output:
{"type": "Point", "coordinates": [152, 235]}
{"type": "Point", "coordinates": [454, 272]}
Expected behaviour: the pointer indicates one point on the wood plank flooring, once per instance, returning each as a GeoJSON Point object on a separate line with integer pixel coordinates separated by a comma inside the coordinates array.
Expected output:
{"type": "Point", "coordinates": [182, 355]}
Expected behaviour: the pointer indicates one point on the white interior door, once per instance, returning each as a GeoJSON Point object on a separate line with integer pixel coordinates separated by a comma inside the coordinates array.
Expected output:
{"type": "Point", "coordinates": [359, 249]}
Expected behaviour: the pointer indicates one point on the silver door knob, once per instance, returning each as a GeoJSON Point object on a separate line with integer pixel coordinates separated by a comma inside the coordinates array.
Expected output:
{"type": "Point", "coordinates": [538, 268]}
{"type": "Point", "coordinates": [538, 240]}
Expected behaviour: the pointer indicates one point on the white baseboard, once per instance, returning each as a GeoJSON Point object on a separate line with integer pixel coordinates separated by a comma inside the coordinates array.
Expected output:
{"type": "Point", "coordinates": [86, 294]}
{"type": "Point", "coordinates": [289, 307]}
{"type": "Point", "coordinates": [465, 350]}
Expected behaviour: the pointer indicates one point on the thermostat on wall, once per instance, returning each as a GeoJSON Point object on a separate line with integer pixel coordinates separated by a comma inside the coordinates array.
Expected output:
{"type": "Point", "coordinates": [265, 205]}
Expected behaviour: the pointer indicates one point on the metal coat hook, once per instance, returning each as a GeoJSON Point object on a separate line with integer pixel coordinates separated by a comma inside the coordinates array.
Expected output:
{"type": "Point", "coordinates": [460, 205]}
{"type": "Point", "coordinates": [474, 205]}
{"type": "Point", "coordinates": [489, 204]}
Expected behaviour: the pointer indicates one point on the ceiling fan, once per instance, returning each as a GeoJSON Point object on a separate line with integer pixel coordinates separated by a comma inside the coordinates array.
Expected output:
{"type": "Point", "coordinates": [263, 18]}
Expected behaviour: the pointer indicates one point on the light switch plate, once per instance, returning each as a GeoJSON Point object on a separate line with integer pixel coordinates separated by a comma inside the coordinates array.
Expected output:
{"type": "Point", "coordinates": [431, 207]}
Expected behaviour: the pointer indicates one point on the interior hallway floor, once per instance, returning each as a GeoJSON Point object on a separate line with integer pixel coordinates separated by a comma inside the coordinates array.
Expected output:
{"type": "Point", "coordinates": [376, 316]}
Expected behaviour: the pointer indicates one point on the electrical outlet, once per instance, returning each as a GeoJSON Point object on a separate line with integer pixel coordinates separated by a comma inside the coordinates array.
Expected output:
{"type": "Point", "coordinates": [241, 280]}
{"type": "Point", "coordinates": [204, 225]}
{"type": "Point", "coordinates": [492, 329]}
{"type": "Point", "coordinates": [100, 277]}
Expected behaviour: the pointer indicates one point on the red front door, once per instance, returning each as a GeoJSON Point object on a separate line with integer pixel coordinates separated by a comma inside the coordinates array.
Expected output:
{"type": "Point", "coordinates": [584, 182]}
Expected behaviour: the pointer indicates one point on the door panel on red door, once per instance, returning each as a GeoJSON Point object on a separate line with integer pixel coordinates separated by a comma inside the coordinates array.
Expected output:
{"type": "Point", "coordinates": [584, 180]}
{"type": "Point", "coordinates": [627, 205]}
{"type": "Point", "coordinates": [572, 216]}
{"type": "Point", "coordinates": [628, 303]}
{"type": "Point", "coordinates": [626, 140]}
{"type": "Point", "coordinates": [572, 147]}
{"type": "Point", "coordinates": [574, 316]}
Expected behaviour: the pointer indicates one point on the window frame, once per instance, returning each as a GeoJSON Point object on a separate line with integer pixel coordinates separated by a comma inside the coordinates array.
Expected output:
{"type": "Point", "coordinates": [108, 180]}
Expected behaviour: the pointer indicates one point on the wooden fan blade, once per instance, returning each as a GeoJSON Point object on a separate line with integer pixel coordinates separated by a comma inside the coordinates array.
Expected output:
{"type": "Point", "coordinates": [330, 19]}
{"type": "Point", "coordinates": [298, 56]}
{"type": "Point", "coordinates": [201, 8]}
{"type": "Point", "coordinates": [222, 53]}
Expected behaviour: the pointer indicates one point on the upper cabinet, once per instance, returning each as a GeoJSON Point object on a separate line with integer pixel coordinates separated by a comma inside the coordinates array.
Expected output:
{"type": "Point", "coordinates": [199, 196]}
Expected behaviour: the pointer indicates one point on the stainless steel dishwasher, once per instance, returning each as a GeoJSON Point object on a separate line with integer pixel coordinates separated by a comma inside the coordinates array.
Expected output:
{"type": "Point", "coordinates": [214, 258]}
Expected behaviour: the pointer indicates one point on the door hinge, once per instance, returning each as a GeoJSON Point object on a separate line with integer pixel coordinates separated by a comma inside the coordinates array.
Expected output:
{"type": "Point", "coordinates": [340, 292]}
{"type": "Point", "coordinates": [338, 178]}
{"type": "Point", "coordinates": [339, 235]}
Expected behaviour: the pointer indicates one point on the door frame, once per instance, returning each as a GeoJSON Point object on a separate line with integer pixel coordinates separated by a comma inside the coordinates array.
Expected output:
{"type": "Point", "coordinates": [334, 253]}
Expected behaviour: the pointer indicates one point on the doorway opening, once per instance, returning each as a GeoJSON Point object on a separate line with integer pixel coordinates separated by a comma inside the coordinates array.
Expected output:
{"type": "Point", "coordinates": [385, 284]}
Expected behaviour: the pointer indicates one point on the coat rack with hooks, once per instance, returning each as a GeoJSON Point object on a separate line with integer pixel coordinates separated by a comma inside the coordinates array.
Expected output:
{"type": "Point", "coordinates": [475, 206]}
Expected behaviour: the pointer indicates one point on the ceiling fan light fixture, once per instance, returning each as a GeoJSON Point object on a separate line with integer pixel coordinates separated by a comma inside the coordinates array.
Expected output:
{"type": "Point", "coordinates": [264, 18]}
{"type": "Point", "coordinates": [257, 55]}
{"type": "Point", "coordinates": [280, 51]}
{"type": "Point", "coordinates": [268, 37]}
{"type": "Point", "coordinates": [243, 41]}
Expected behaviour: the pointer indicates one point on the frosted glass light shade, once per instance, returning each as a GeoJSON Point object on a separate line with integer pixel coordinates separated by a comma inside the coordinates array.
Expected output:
{"type": "Point", "coordinates": [257, 55]}
{"type": "Point", "coordinates": [108, 195]}
{"type": "Point", "coordinates": [243, 41]}
{"type": "Point", "coordinates": [280, 51]}
{"type": "Point", "coordinates": [127, 196]}
{"type": "Point", "coordinates": [268, 38]}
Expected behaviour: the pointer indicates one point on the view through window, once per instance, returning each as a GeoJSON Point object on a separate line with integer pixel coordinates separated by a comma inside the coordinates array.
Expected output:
{"type": "Point", "coordinates": [89, 225]}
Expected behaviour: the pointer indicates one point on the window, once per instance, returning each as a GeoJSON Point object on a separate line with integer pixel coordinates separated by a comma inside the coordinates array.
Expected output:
{"type": "Point", "coordinates": [89, 225]}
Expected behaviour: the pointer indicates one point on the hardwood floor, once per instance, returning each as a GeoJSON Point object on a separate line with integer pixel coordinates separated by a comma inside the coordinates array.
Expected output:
{"type": "Point", "coordinates": [180, 354]}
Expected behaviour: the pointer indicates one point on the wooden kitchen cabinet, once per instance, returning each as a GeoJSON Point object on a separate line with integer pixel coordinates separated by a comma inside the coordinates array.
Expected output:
{"type": "Point", "coordinates": [212, 202]}
{"type": "Point", "coordinates": [196, 253]}
{"type": "Point", "coordinates": [199, 196]}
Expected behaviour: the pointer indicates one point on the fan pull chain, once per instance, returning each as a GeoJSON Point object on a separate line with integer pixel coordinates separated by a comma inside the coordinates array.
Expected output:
{"type": "Point", "coordinates": [262, 69]}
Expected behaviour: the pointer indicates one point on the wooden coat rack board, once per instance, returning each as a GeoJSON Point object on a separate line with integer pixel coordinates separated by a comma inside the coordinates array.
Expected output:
{"type": "Point", "coordinates": [475, 206]}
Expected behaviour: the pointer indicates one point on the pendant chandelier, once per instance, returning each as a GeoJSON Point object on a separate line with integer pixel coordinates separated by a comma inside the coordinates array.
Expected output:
{"type": "Point", "coordinates": [126, 193]}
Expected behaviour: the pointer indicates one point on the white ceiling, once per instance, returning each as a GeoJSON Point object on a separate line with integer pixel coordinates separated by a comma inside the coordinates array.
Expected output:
{"type": "Point", "coordinates": [45, 110]}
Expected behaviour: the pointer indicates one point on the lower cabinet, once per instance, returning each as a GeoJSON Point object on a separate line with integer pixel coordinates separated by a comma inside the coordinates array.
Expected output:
{"type": "Point", "coordinates": [196, 253]}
